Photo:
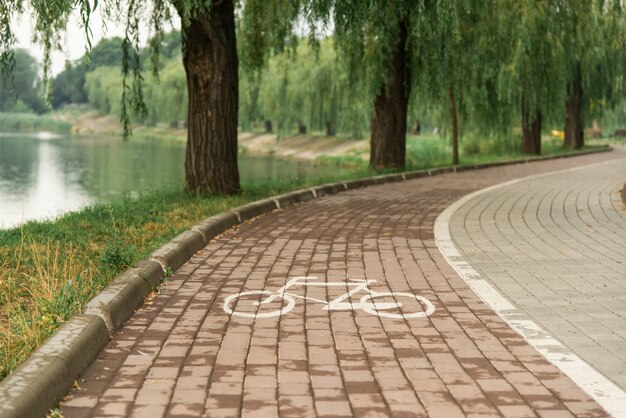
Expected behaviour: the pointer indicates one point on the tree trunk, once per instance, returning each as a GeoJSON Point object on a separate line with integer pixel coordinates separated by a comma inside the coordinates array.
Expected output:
{"type": "Point", "coordinates": [417, 128]}
{"type": "Point", "coordinates": [330, 129]}
{"type": "Point", "coordinates": [253, 115]}
{"type": "Point", "coordinates": [574, 133]}
{"type": "Point", "coordinates": [210, 61]}
{"type": "Point", "coordinates": [388, 140]}
{"type": "Point", "coordinates": [301, 128]}
{"type": "Point", "coordinates": [531, 131]}
{"type": "Point", "coordinates": [455, 129]}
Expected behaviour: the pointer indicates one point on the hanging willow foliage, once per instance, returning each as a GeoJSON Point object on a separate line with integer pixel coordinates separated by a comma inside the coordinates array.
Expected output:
{"type": "Point", "coordinates": [264, 27]}
{"type": "Point", "coordinates": [493, 57]}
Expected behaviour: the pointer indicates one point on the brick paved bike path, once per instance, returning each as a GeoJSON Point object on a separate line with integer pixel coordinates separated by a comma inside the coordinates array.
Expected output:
{"type": "Point", "coordinates": [183, 355]}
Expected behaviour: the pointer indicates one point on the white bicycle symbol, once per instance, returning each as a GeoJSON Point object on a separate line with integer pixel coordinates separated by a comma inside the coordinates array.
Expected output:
{"type": "Point", "coordinates": [249, 307]}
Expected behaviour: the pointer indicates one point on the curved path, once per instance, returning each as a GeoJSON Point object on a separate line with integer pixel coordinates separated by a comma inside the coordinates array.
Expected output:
{"type": "Point", "coordinates": [555, 246]}
{"type": "Point", "coordinates": [183, 355]}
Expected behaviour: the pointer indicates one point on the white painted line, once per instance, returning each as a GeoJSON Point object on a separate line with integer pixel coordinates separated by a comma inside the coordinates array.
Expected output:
{"type": "Point", "coordinates": [610, 396]}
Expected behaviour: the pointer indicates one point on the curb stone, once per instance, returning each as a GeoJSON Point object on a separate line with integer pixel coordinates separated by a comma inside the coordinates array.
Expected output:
{"type": "Point", "coordinates": [254, 209]}
{"type": "Point", "coordinates": [117, 302]}
{"type": "Point", "coordinates": [441, 170]}
{"type": "Point", "coordinates": [389, 178]}
{"type": "Point", "coordinates": [356, 184]}
{"type": "Point", "coordinates": [284, 200]}
{"type": "Point", "coordinates": [328, 189]}
{"type": "Point", "coordinates": [178, 250]}
{"type": "Point", "coordinates": [47, 376]}
{"type": "Point", "coordinates": [50, 372]}
{"type": "Point", "coordinates": [415, 175]}
{"type": "Point", "coordinates": [215, 225]}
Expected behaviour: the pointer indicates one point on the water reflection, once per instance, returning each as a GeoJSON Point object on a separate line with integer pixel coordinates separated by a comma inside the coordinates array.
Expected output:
{"type": "Point", "coordinates": [17, 158]}
{"type": "Point", "coordinates": [41, 178]}
{"type": "Point", "coordinates": [33, 184]}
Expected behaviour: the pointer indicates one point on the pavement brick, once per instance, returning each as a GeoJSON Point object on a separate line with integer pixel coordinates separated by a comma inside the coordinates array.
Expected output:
{"type": "Point", "coordinates": [184, 355]}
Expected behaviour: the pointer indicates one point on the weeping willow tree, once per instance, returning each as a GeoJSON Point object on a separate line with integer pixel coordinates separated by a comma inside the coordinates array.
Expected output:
{"type": "Point", "coordinates": [395, 49]}
{"type": "Point", "coordinates": [209, 57]}
{"type": "Point", "coordinates": [376, 40]}
{"type": "Point", "coordinates": [305, 88]}
{"type": "Point", "coordinates": [536, 69]}
{"type": "Point", "coordinates": [449, 62]}
{"type": "Point", "coordinates": [167, 100]}
{"type": "Point", "coordinates": [594, 39]}
{"type": "Point", "coordinates": [564, 55]}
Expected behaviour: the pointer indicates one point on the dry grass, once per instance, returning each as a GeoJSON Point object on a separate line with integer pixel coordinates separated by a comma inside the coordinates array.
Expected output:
{"type": "Point", "coordinates": [41, 286]}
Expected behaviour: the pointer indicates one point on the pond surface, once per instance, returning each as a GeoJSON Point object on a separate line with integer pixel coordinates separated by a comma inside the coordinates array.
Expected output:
{"type": "Point", "coordinates": [43, 177]}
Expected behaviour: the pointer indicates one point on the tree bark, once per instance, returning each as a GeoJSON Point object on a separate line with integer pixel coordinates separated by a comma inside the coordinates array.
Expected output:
{"type": "Point", "coordinates": [574, 133]}
{"type": "Point", "coordinates": [531, 131]}
{"type": "Point", "coordinates": [253, 115]}
{"type": "Point", "coordinates": [388, 140]}
{"type": "Point", "coordinates": [455, 129]}
{"type": "Point", "coordinates": [211, 66]}
{"type": "Point", "coordinates": [330, 129]}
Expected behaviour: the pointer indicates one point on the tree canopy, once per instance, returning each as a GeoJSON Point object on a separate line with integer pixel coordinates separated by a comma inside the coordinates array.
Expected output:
{"type": "Point", "coordinates": [22, 92]}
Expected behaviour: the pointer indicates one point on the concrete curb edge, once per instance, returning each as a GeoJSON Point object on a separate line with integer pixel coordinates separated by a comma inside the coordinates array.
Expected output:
{"type": "Point", "coordinates": [50, 371]}
{"type": "Point", "coordinates": [42, 381]}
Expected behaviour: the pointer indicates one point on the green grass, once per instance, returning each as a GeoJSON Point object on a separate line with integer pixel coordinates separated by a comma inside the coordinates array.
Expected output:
{"type": "Point", "coordinates": [29, 122]}
{"type": "Point", "coordinates": [608, 140]}
{"type": "Point", "coordinates": [429, 151]}
{"type": "Point", "coordinates": [50, 269]}
{"type": "Point", "coordinates": [426, 151]}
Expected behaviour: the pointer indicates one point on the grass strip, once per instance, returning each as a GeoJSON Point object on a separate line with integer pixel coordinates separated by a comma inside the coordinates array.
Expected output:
{"type": "Point", "coordinates": [29, 122]}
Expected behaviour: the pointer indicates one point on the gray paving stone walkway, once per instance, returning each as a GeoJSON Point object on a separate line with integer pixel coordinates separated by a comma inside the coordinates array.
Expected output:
{"type": "Point", "coordinates": [183, 354]}
{"type": "Point", "coordinates": [555, 246]}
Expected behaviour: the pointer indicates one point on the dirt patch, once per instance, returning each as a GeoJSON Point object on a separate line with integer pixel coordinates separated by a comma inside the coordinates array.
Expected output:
{"type": "Point", "coordinates": [303, 147]}
{"type": "Point", "coordinates": [94, 124]}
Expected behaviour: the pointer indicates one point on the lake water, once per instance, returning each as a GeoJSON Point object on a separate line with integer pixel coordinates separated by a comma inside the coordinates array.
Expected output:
{"type": "Point", "coordinates": [43, 177]}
